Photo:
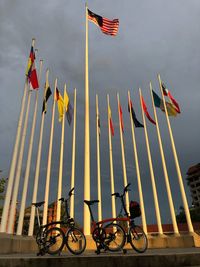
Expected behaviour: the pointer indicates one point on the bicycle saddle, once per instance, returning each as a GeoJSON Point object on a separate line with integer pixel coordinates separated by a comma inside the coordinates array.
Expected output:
{"type": "Point", "coordinates": [91, 202]}
{"type": "Point", "coordinates": [38, 204]}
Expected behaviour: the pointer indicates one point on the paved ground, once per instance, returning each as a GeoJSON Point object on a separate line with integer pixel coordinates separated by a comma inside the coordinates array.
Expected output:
{"type": "Point", "coordinates": [151, 258]}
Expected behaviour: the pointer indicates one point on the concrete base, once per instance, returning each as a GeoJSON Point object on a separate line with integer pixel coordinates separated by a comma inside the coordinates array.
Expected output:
{"type": "Point", "coordinates": [10, 244]}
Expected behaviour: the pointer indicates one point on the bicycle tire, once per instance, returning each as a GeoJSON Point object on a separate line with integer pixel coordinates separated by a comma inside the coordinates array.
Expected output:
{"type": "Point", "coordinates": [55, 240]}
{"type": "Point", "coordinates": [75, 240]}
{"type": "Point", "coordinates": [138, 239]}
{"type": "Point", "coordinates": [115, 237]}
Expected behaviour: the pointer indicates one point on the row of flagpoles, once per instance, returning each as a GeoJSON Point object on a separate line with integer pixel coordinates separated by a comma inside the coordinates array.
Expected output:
{"type": "Point", "coordinates": [65, 109]}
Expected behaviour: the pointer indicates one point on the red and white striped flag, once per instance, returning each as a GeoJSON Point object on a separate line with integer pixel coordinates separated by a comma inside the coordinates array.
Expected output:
{"type": "Point", "coordinates": [107, 26]}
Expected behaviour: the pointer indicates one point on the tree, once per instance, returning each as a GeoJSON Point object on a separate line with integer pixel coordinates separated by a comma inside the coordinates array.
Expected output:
{"type": "Point", "coordinates": [3, 182]}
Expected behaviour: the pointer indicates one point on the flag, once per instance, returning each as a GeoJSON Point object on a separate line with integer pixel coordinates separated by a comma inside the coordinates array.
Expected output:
{"type": "Point", "coordinates": [31, 72]}
{"type": "Point", "coordinates": [60, 103]}
{"type": "Point", "coordinates": [47, 94]}
{"type": "Point", "coordinates": [171, 109]}
{"type": "Point", "coordinates": [107, 26]}
{"type": "Point", "coordinates": [144, 107]}
{"type": "Point", "coordinates": [121, 118]}
{"type": "Point", "coordinates": [68, 108]}
{"type": "Point", "coordinates": [99, 126]}
{"type": "Point", "coordinates": [135, 120]}
{"type": "Point", "coordinates": [110, 121]}
{"type": "Point", "coordinates": [166, 92]}
{"type": "Point", "coordinates": [69, 113]}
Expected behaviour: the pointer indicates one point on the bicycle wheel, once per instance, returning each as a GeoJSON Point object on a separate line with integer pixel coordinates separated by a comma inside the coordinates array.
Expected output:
{"type": "Point", "coordinates": [75, 241]}
{"type": "Point", "coordinates": [138, 239]}
{"type": "Point", "coordinates": [115, 237]}
{"type": "Point", "coordinates": [55, 240]}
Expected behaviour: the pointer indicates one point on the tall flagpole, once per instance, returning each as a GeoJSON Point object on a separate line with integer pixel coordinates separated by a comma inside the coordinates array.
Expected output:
{"type": "Point", "coordinates": [37, 173]}
{"type": "Point", "coordinates": [48, 176]}
{"type": "Point", "coordinates": [14, 160]}
{"type": "Point", "coordinates": [58, 212]}
{"type": "Point", "coordinates": [73, 158]}
{"type": "Point", "coordinates": [86, 215]}
{"type": "Point", "coordinates": [13, 164]}
{"type": "Point", "coordinates": [123, 155]}
{"type": "Point", "coordinates": [144, 224]}
{"type": "Point", "coordinates": [169, 194]}
{"type": "Point", "coordinates": [184, 199]}
{"type": "Point", "coordinates": [111, 165]}
{"type": "Point", "coordinates": [27, 172]}
{"type": "Point", "coordinates": [160, 230]}
{"type": "Point", "coordinates": [19, 165]}
{"type": "Point", "coordinates": [46, 197]}
{"type": "Point", "coordinates": [98, 163]}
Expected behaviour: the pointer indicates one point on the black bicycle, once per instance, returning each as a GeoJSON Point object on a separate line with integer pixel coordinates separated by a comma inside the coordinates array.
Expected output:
{"type": "Point", "coordinates": [51, 238]}
{"type": "Point", "coordinates": [74, 237]}
{"type": "Point", "coordinates": [135, 234]}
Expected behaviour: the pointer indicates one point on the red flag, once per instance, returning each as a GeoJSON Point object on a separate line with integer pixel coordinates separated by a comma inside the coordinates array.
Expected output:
{"type": "Point", "coordinates": [166, 92]}
{"type": "Point", "coordinates": [107, 26]}
{"type": "Point", "coordinates": [31, 70]}
{"type": "Point", "coordinates": [121, 118]}
{"type": "Point", "coordinates": [144, 107]}
{"type": "Point", "coordinates": [110, 120]}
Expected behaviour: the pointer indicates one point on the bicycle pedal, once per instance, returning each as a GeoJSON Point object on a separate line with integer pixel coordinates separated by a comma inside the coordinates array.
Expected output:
{"type": "Point", "coordinates": [97, 251]}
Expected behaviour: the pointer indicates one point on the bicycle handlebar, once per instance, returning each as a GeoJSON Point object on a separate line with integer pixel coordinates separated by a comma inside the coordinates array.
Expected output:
{"type": "Point", "coordinates": [125, 190]}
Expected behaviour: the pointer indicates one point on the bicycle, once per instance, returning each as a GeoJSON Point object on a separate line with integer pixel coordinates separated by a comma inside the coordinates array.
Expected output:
{"type": "Point", "coordinates": [110, 237]}
{"type": "Point", "coordinates": [50, 239]}
{"type": "Point", "coordinates": [135, 234]}
{"type": "Point", "coordinates": [74, 238]}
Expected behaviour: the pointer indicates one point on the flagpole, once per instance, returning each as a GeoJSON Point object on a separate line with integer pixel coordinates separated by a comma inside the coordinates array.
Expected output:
{"type": "Point", "coordinates": [48, 175]}
{"type": "Point", "coordinates": [27, 172]}
{"type": "Point", "coordinates": [167, 184]}
{"type": "Point", "coordinates": [19, 165]}
{"type": "Point", "coordinates": [86, 215]}
{"type": "Point", "coordinates": [184, 199]}
{"type": "Point", "coordinates": [37, 173]}
{"type": "Point", "coordinates": [59, 195]}
{"type": "Point", "coordinates": [111, 165]}
{"type": "Point", "coordinates": [5, 214]}
{"type": "Point", "coordinates": [123, 155]}
{"type": "Point", "coordinates": [98, 163]}
{"type": "Point", "coordinates": [160, 230]}
{"type": "Point", "coordinates": [144, 224]}
{"type": "Point", "coordinates": [73, 158]}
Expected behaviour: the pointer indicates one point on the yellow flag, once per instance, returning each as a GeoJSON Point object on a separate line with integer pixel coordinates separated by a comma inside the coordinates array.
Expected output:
{"type": "Point", "coordinates": [60, 103]}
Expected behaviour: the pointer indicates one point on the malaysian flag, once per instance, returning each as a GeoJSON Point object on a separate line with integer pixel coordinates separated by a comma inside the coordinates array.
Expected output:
{"type": "Point", "coordinates": [107, 26]}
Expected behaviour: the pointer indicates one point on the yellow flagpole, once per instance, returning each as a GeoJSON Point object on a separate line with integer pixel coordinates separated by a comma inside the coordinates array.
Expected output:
{"type": "Point", "coordinates": [73, 158]}
{"type": "Point", "coordinates": [157, 209]}
{"type": "Point", "coordinates": [167, 184]}
{"type": "Point", "coordinates": [86, 214]}
{"type": "Point", "coordinates": [20, 161]}
{"type": "Point", "coordinates": [46, 196]}
{"type": "Point", "coordinates": [28, 165]}
{"type": "Point", "coordinates": [123, 155]}
{"type": "Point", "coordinates": [58, 213]}
{"type": "Point", "coordinates": [98, 163]}
{"type": "Point", "coordinates": [184, 199]}
{"type": "Point", "coordinates": [14, 159]}
{"type": "Point", "coordinates": [111, 164]}
{"type": "Point", "coordinates": [144, 224]}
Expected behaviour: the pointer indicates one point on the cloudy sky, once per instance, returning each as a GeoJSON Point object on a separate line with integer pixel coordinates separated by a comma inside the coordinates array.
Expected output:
{"type": "Point", "coordinates": [154, 37]}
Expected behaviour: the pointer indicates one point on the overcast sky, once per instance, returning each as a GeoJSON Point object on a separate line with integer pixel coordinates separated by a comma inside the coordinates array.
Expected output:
{"type": "Point", "coordinates": [155, 36]}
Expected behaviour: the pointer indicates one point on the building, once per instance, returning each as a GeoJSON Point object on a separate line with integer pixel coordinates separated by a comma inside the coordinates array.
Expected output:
{"type": "Point", "coordinates": [193, 181]}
